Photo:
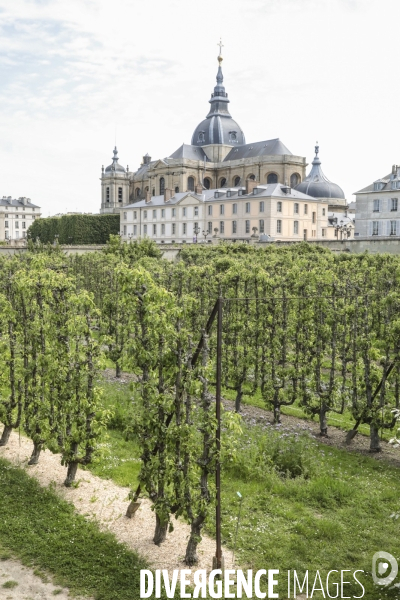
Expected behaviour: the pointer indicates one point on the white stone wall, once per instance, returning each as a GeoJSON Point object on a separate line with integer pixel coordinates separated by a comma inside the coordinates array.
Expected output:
{"type": "Point", "coordinates": [16, 220]}
{"type": "Point", "coordinates": [380, 212]}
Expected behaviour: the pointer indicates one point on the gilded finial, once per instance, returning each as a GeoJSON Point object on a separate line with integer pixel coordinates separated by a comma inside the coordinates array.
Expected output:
{"type": "Point", "coordinates": [221, 45]}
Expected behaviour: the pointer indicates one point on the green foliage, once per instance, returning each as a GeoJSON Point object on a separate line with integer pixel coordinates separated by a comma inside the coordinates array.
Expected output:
{"type": "Point", "coordinates": [52, 359]}
{"type": "Point", "coordinates": [261, 453]}
{"type": "Point", "coordinates": [131, 252]}
{"type": "Point", "coordinates": [74, 229]}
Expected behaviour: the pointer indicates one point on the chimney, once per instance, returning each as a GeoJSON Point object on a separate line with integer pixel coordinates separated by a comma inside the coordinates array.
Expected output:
{"type": "Point", "coordinates": [250, 185]}
{"type": "Point", "coordinates": [148, 197]}
{"type": "Point", "coordinates": [199, 189]}
{"type": "Point", "coordinates": [394, 169]}
{"type": "Point", "coordinates": [167, 195]}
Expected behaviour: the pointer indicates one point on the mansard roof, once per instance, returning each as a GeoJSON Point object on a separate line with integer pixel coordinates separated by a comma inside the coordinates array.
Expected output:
{"type": "Point", "coordinates": [262, 191]}
{"type": "Point", "coordinates": [264, 148]}
{"type": "Point", "coordinates": [190, 152]}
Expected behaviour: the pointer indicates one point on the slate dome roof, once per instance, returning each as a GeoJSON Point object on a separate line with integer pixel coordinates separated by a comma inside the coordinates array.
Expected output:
{"type": "Point", "coordinates": [317, 185]}
{"type": "Point", "coordinates": [115, 166]}
{"type": "Point", "coordinates": [218, 127]}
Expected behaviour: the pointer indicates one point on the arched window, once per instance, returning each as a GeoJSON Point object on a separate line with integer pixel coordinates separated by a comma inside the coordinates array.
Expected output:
{"type": "Point", "coordinates": [251, 176]}
{"type": "Point", "coordinates": [207, 183]}
{"type": "Point", "coordinates": [222, 182]}
{"type": "Point", "coordinates": [294, 180]}
{"type": "Point", "coordinates": [137, 192]}
{"type": "Point", "coordinates": [272, 178]}
{"type": "Point", "coordinates": [153, 192]}
{"type": "Point", "coordinates": [191, 184]}
{"type": "Point", "coordinates": [177, 190]}
{"type": "Point", "coordinates": [162, 186]}
{"type": "Point", "coordinates": [236, 181]}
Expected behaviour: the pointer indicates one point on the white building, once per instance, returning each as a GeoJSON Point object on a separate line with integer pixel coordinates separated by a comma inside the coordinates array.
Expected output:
{"type": "Point", "coordinates": [16, 216]}
{"type": "Point", "coordinates": [378, 207]}
{"type": "Point", "coordinates": [237, 213]}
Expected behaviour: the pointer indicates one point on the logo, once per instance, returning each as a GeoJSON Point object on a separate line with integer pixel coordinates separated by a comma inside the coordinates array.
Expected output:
{"type": "Point", "coordinates": [381, 563]}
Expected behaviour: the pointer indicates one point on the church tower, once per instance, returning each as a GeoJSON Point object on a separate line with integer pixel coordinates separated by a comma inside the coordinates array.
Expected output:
{"type": "Point", "coordinates": [218, 132]}
{"type": "Point", "coordinates": [114, 186]}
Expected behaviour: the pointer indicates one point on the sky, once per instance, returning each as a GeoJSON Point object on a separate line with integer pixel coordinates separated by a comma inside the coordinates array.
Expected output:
{"type": "Point", "coordinates": [78, 75]}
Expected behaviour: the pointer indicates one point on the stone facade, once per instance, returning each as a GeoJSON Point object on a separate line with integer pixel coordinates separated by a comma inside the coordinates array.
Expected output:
{"type": "Point", "coordinates": [378, 207]}
{"type": "Point", "coordinates": [254, 212]}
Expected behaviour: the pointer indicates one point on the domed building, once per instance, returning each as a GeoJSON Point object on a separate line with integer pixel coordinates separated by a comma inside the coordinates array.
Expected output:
{"type": "Point", "coordinates": [218, 157]}
{"type": "Point", "coordinates": [317, 185]}
{"type": "Point", "coordinates": [341, 216]}
{"type": "Point", "coordinates": [218, 128]}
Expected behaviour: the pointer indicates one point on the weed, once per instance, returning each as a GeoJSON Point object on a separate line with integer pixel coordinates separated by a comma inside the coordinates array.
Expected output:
{"type": "Point", "coordinates": [10, 585]}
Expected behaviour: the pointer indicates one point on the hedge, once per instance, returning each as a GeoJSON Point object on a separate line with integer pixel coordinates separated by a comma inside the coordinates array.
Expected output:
{"type": "Point", "coordinates": [75, 229]}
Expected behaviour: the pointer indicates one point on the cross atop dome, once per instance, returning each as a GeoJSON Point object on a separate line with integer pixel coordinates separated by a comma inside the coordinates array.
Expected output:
{"type": "Point", "coordinates": [221, 45]}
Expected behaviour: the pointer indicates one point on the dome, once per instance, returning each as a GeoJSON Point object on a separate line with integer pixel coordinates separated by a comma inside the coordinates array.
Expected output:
{"type": "Point", "coordinates": [115, 167]}
{"type": "Point", "coordinates": [317, 185]}
{"type": "Point", "coordinates": [218, 127]}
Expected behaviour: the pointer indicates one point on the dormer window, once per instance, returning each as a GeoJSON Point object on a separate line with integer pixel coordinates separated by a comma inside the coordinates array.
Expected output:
{"type": "Point", "coordinates": [201, 137]}
{"type": "Point", "coordinates": [233, 136]}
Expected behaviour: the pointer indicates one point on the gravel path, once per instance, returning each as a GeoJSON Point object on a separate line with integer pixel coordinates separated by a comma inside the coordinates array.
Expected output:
{"type": "Point", "coordinates": [104, 501]}
{"type": "Point", "coordinates": [21, 583]}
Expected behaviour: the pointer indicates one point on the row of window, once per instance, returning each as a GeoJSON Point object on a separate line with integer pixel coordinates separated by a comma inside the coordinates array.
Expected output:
{"type": "Point", "coordinates": [16, 224]}
{"type": "Point", "coordinates": [271, 178]}
{"type": "Point", "coordinates": [221, 228]}
{"type": "Point", "coordinates": [10, 208]}
{"type": "Point", "coordinates": [378, 228]}
{"type": "Point", "coordinates": [7, 236]}
{"type": "Point", "coordinates": [19, 216]}
{"type": "Point", "coordinates": [379, 205]}
{"type": "Point", "coordinates": [296, 210]}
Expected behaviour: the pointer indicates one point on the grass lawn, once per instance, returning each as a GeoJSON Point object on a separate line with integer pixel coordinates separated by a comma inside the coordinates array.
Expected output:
{"type": "Point", "coordinates": [335, 514]}
{"type": "Point", "coordinates": [44, 531]}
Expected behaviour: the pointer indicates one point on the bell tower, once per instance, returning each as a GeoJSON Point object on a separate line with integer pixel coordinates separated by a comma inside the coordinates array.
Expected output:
{"type": "Point", "coordinates": [114, 186]}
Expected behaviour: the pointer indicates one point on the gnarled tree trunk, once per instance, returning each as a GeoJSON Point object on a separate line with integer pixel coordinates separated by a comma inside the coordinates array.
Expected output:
{"type": "Point", "coordinates": [5, 435]}
{"type": "Point", "coordinates": [375, 443]}
{"type": "Point", "coordinates": [323, 421]}
{"type": "Point", "coordinates": [71, 474]}
{"type": "Point", "coordinates": [191, 557]}
{"type": "Point", "coordinates": [160, 533]}
{"type": "Point", "coordinates": [37, 448]}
